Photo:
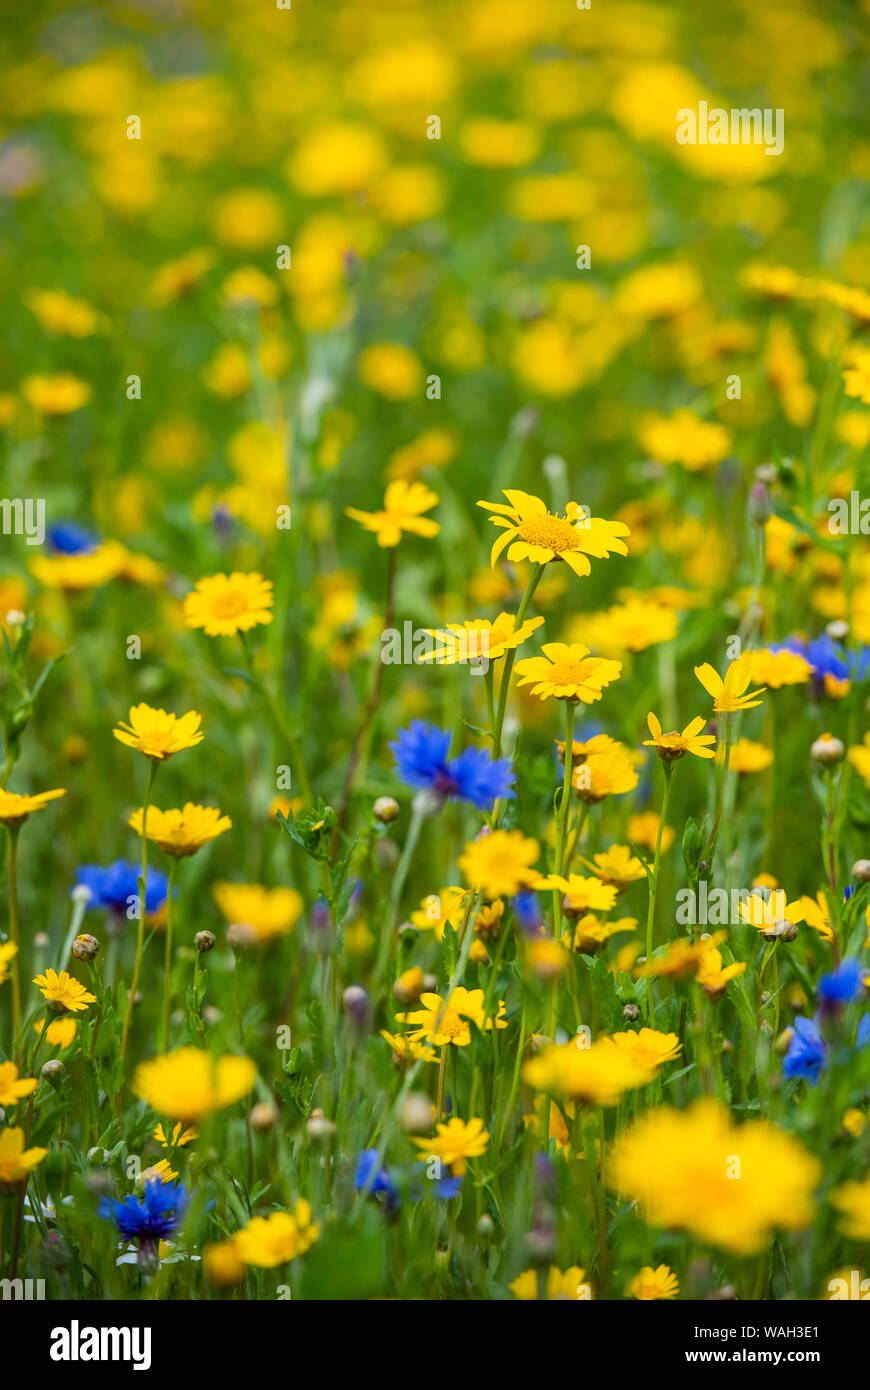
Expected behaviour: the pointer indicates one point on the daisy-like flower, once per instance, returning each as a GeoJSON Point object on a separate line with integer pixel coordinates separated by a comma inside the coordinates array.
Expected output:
{"type": "Point", "coordinates": [562, 1285]}
{"type": "Point", "coordinates": [270, 912]}
{"type": "Point", "coordinates": [188, 1084]}
{"type": "Point", "coordinates": [8, 949]}
{"type": "Point", "coordinates": [733, 692]}
{"type": "Point", "coordinates": [670, 747]}
{"type": "Point", "coordinates": [566, 671]}
{"type": "Point", "coordinates": [649, 1047]}
{"type": "Point", "coordinates": [530, 532]}
{"type": "Point", "coordinates": [680, 959]}
{"type": "Point", "coordinates": [581, 894]}
{"type": "Point", "coordinates": [478, 639]}
{"type": "Point", "coordinates": [181, 833]}
{"type": "Point", "coordinates": [712, 975]}
{"type": "Point", "coordinates": [606, 771]}
{"type": "Point", "coordinates": [13, 1087]}
{"type": "Point", "coordinates": [60, 1032]}
{"type": "Point", "coordinates": [500, 863]}
{"type": "Point", "coordinates": [440, 910]}
{"type": "Point", "coordinates": [747, 756]}
{"type": "Point", "coordinates": [16, 807]}
{"type": "Point", "coordinates": [599, 1074]}
{"type": "Point", "coordinates": [180, 1138]}
{"type": "Point", "coordinates": [148, 1219]}
{"type": "Point", "coordinates": [16, 1162]}
{"type": "Point", "coordinates": [406, 1050]}
{"type": "Point", "coordinates": [268, 1241]}
{"type": "Point", "coordinates": [589, 932]}
{"type": "Point", "coordinates": [650, 1284]}
{"type": "Point", "coordinates": [617, 865]}
{"type": "Point", "coordinates": [157, 734]}
{"type": "Point", "coordinates": [402, 511]}
{"type": "Point", "coordinates": [422, 762]}
{"type": "Point", "coordinates": [224, 604]}
{"type": "Point", "coordinates": [455, 1143]}
{"type": "Point", "coordinates": [60, 394]}
{"type": "Point", "coordinates": [63, 992]}
{"type": "Point", "coordinates": [443, 1022]}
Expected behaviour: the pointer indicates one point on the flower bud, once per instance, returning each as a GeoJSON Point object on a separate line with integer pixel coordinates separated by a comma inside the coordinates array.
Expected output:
{"type": "Point", "coordinates": [838, 630]}
{"type": "Point", "coordinates": [861, 871]}
{"type": "Point", "coordinates": [53, 1070]}
{"type": "Point", "coordinates": [241, 937]}
{"type": "Point", "coordinates": [631, 1013]}
{"type": "Point", "coordinates": [386, 809]}
{"type": "Point", "coordinates": [758, 507]}
{"type": "Point", "coordinates": [85, 947]}
{"type": "Point", "coordinates": [356, 1005]}
{"type": "Point", "coordinates": [204, 941]}
{"type": "Point", "coordinates": [319, 1127]}
{"type": "Point", "coordinates": [263, 1116]}
{"type": "Point", "coordinates": [417, 1113]}
{"type": "Point", "coordinates": [827, 750]}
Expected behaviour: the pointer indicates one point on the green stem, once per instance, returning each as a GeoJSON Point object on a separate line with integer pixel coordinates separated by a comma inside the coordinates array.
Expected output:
{"type": "Point", "coordinates": [140, 936]}
{"type": "Point", "coordinates": [653, 890]}
{"type": "Point", "coordinates": [167, 957]}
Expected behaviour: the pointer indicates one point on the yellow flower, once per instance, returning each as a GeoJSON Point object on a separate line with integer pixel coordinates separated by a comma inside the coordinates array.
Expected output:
{"type": "Point", "coordinates": [177, 278]}
{"type": "Point", "coordinates": [407, 1050]}
{"type": "Point", "coordinates": [248, 218]}
{"type": "Point", "coordinates": [853, 1200]}
{"type": "Point", "coordinates": [606, 770]}
{"type": "Point", "coordinates": [631, 626]}
{"type": "Point", "coordinates": [731, 693]}
{"type": "Point", "coordinates": [11, 1088]}
{"type": "Point", "coordinates": [813, 911]}
{"type": "Point", "coordinates": [648, 1047]}
{"type": "Point", "coordinates": [728, 1185]}
{"type": "Point", "coordinates": [64, 991]}
{"type": "Point", "coordinates": [403, 505]}
{"type": "Point", "coordinates": [581, 894]}
{"type": "Point", "coordinates": [181, 1137]}
{"type": "Point", "coordinates": [56, 395]}
{"type": "Point", "coordinates": [60, 1032]}
{"type": "Point", "coordinates": [440, 910]}
{"type": "Point", "coordinates": [588, 933]}
{"type": "Point", "coordinates": [479, 639]}
{"type": "Point", "coordinates": [643, 830]}
{"type": "Point", "coordinates": [859, 757]}
{"type": "Point", "coordinates": [269, 912]}
{"type": "Point", "coordinates": [455, 1143]}
{"type": "Point", "coordinates": [746, 756]}
{"type": "Point", "coordinates": [8, 949]}
{"type": "Point", "coordinates": [188, 1084]}
{"type": "Point", "coordinates": [226, 604]}
{"type": "Point", "coordinates": [599, 1074]}
{"type": "Point", "coordinates": [392, 370]}
{"type": "Point", "coordinates": [856, 380]}
{"type": "Point", "coordinates": [567, 672]}
{"type": "Point", "coordinates": [16, 1162]}
{"type": "Point", "coordinates": [222, 1263]}
{"type": "Point", "coordinates": [500, 863]}
{"type": "Point", "coordinates": [680, 959]}
{"type": "Point", "coordinates": [157, 734]}
{"type": "Point", "coordinates": [617, 865]}
{"type": "Point", "coordinates": [16, 807]}
{"type": "Point", "coordinates": [59, 312]}
{"type": "Point", "coordinates": [441, 1022]}
{"type": "Point", "coordinates": [686, 439]}
{"type": "Point", "coordinates": [561, 1287]}
{"type": "Point", "coordinates": [711, 975]}
{"type": "Point", "coordinates": [670, 747]}
{"type": "Point", "coordinates": [651, 1284]}
{"type": "Point", "coordinates": [776, 669]}
{"type": "Point", "coordinates": [854, 1122]}
{"type": "Point", "coordinates": [181, 832]}
{"type": "Point", "coordinates": [268, 1241]}
{"type": "Point", "coordinates": [532, 533]}
{"type": "Point", "coordinates": [494, 144]}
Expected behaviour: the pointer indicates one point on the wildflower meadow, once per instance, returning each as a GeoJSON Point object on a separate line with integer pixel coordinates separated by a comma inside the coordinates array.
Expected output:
{"type": "Point", "coordinates": [435, 672]}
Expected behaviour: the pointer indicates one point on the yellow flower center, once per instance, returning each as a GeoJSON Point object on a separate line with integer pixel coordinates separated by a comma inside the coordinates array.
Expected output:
{"type": "Point", "coordinates": [549, 532]}
{"type": "Point", "coordinates": [451, 1024]}
{"type": "Point", "coordinates": [229, 605]}
{"type": "Point", "coordinates": [568, 673]}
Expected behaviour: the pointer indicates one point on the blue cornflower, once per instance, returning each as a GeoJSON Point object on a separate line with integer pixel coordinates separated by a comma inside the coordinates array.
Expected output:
{"type": "Point", "coordinates": [806, 1051]}
{"type": "Point", "coordinates": [844, 985]}
{"type": "Point", "coordinates": [421, 761]}
{"type": "Point", "coordinates": [68, 538]}
{"type": "Point", "coordinates": [374, 1180]}
{"type": "Point", "coordinates": [828, 659]}
{"type": "Point", "coordinates": [528, 914]}
{"type": "Point", "coordinates": [151, 1217]}
{"type": "Point", "coordinates": [113, 887]}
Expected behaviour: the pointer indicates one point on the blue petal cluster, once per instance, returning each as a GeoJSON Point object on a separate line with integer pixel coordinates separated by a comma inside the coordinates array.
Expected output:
{"type": "Point", "coordinates": [421, 754]}
{"type": "Point", "coordinates": [153, 1216]}
{"type": "Point", "coordinates": [68, 538]}
{"type": "Point", "coordinates": [112, 888]}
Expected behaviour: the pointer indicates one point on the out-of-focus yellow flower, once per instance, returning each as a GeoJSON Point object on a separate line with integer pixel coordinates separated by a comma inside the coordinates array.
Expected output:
{"type": "Point", "coordinates": [269, 1241]}
{"type": "Point", "coordinates": [15, 807]}
{"type": "Point", "coordinates": [598, 1074]}
{"type": "Point", "coordinates": [561, 1286]}
{"type": "Point", "coordinates": [402, 511]}
{"type": "Point", "coordinates": [59, 312]}
{"type": "Point", "coordinates": [391, 369]}
{"type": "Point", "coordinates": [500, 863]}
{"type": "Point", "coordinates": [495, 144]}
{"type": "Point", "coordinates": [270, 912]}
{"type": "Point", "coordinates": [224, 605]}
{"type": "Point", "coordinates": [686, 439]}
{"type": "Point", "coordinates": [188, 1084]}
{"type": "Point", "coordinates": [336, 158]}
{"type": "Point", "coordinates": [248, 218]}
{"type": "Point", "coordinates": [16, 1162]}
{"type": "Point", "coordinates": [60, 394]}
{"type": "Point", "coordinates": [650, 1284]}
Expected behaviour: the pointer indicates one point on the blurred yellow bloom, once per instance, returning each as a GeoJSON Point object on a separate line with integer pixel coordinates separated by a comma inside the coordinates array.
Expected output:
{"type": "Point", "coordinates": [270, 912]}
{"type": "Point", "coordinates": [455, 1143]}
{"type": "Point", "coordinates": [16, 1162]}
{"type": "Point", "coordinates": [402, 511]}
{"type": "Point", "coordinates": [500, 863]}
{"type": "Point", "coordinates": [268, 1241]}
{"type": "Point", "coordinates": [224, 605]}
{"type": "Point", "coordinates": [60, 394]}
{"type": "Point", "coordinates": [188, 1084]}
{"type": "Point", "coordinates": [15, 807]}
{"type": "Point", "coordinates": [391, 369]}
{"type": "Point", "coordinates": [650, 1284]}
